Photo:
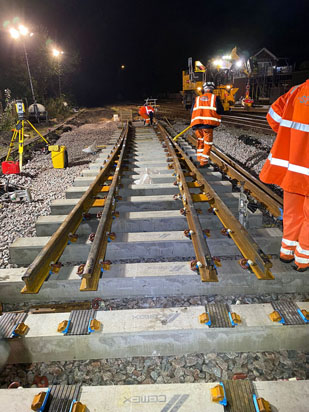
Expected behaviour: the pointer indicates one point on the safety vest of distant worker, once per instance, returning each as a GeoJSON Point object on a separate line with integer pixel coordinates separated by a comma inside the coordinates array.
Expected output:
{"type": "Point", "coordinates": [288, 166]}
{"type": "Point", "coordinates": [205, 111]}
{"type": "Point", "coordinates": [205, 116]}
{"type": "Point", "coordinates": [146, 112]}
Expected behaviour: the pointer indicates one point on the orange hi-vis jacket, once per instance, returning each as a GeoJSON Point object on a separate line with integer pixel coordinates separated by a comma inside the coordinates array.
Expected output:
{"type": "Point", "coordinates": [288, 162]}
{"type": "Point", "coordinates": [205, 110]}
{"type": "Point", "coordinates": [145, 110]}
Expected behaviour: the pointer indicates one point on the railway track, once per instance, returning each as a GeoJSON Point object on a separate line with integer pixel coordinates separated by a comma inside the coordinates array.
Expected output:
{"type": "Point", "coordinates": [144, 221]}
{"type": "Point", "coordinates": [250, 121]}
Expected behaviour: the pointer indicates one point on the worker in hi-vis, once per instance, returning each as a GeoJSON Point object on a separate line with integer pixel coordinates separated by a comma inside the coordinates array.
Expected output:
{"type": "Point", "coordinates": [288, 167]}
{"type": "Point", "coordinates": [147, 113]}
{"type": "Point", "coordinates": [205, 116]}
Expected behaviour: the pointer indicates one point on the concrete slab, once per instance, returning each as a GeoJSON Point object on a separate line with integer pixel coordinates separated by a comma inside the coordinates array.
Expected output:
{"type": "Point", "coordinates": [137, 245]}
{"type": "Point", "coordinates": [149, 221]}
{"type": "Point", "coordinates": [220, 187]}
{"type": "Point", "coordinates": [153, 398]}
{"type": "Point", "coordinates": [283, 397]}
{"type": "Point", "coordinates": [154, 279]}
{"type": "Point", "coordinates": [155, 332]}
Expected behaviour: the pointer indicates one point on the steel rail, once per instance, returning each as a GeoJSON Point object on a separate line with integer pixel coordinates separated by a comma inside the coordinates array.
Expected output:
{"type": "Point", "coordinates": [205, 263]}
{"type": "Point", "coordinates": [262, 193]}
{"type": "Point", "coordinates": [257, 260]}
{"type": "Point", "coordinates": [93, 266]}
{"type": "Point", "coordinates": [39, 270]}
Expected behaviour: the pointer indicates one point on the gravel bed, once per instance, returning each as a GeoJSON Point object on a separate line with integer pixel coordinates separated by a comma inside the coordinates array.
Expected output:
{"type": "Point", "coordinates": [249, 148]}
{"type": "Point", "coordinates": [179, 301]}
{"type": "Point", "coordinates": [190, 368]}
{"type": "Point", "coordinates": [17, 218]}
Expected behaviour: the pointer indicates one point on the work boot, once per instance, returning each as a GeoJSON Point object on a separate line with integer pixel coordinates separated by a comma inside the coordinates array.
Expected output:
{"type": "Point", "coordinates": [204, 166]}
{"type": "Point", "coordinates": [286, 260]}
{"type": "Point", "coordinates": [298, 269]}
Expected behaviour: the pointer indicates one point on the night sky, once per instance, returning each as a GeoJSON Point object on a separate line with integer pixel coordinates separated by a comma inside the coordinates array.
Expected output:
{"type": "Point", "coordinates": [154, 39]}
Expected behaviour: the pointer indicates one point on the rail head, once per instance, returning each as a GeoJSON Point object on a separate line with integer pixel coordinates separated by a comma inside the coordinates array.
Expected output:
{"type": "Point", "coordinates": [39, 270]}
{"type": "Point", "coordinates": [259, 262]}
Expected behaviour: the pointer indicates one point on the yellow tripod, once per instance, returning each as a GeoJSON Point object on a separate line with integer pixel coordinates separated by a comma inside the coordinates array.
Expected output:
{"type": "Point", "coordinates": [19, 130]}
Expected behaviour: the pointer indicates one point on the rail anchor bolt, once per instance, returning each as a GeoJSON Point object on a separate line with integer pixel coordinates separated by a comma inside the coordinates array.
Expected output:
{"type": "Point", "coordinates": [80, 269]}
{"type": "Point", "coordinates": [105, 264]}
{"type": "Point", "coordinates": [72, 238]}
{"type": "Point", "coordinates": [55, 267]}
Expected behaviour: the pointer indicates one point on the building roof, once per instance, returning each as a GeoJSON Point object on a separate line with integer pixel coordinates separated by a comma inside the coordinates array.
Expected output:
{"type": "Point", "coordinates": [264, 53]}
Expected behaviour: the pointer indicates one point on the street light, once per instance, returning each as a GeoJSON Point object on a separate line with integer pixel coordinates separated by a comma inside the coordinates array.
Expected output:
{"type": "Point", "coordinates": [22, 32]}
{"type": "Point", "coordinates": [57, 54]}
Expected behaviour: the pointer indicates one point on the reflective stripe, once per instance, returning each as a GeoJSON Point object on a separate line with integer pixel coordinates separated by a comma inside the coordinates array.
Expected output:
{"type": "Point", "coordinates": [207, 118]}
{"type": "Point", "coordinates": [278, 162]}
{"type": "Point", "coordinates": [299, 169]}
{"type": "Point", "coordinates": [290, 242]}
{"type": "Point", "coordinates": [204, 156]}
{"type": "Point", "coordinates": [302, 251]}
{"type": "Point", "coordinates": [301, 260]}
{"type": "Point", "coordinates": [212, 102]}
{"type": "Point", "coordinates": [205, 107]}
{"type": "Point", "coordinates": [294, 88]}
{"type": "Point", "coordinates": [210, 143]}
{"type": "Point", "coordinates": [200, 150]}
{"type": "Point", "coordinates": [286, 251]}
{"type": "Point", "coordinates": [285, 163]}
{"type": "Point", "coordinates": [295, 125]}
{"type": "Point", "coordinates": [200, 138]}
{"type": "Point", "coordinates": [274, 115]}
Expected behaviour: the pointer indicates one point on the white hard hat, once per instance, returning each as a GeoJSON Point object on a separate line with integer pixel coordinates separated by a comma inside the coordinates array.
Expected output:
{"type": "Point", "coordinates": [209, 85]}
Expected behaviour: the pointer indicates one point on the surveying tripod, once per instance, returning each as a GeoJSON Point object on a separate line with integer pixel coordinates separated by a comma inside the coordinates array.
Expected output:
{"type": "Point", "coordinates": [19, 130]}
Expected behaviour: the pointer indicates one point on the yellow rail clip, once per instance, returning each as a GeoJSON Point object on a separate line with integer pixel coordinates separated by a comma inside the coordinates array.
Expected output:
{"type": "Point", "coordinates": [38, 401]}
{"type": "Point", "coordinates": [79, 407]}
{"type": "Point", "coordinates": [275, 316]}
{"type": "Point", "coordinates": [62, 326]}
{"type": "Point", "coordinates": [236, 318]}
{"type": "Point", "coordinates": [204, 318]}
{"type": "Point", "coordinates": [95, 325]}
{"type": "Point", "coordinates": [264, 406]}
{"type": "Point", "coordinates": [21, 329]}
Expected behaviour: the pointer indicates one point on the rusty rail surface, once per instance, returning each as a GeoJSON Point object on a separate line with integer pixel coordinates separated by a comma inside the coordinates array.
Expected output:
{"type": "Point", "coordinates": [94, 264]}
{"type": "Point", "coordinates": [261, 192]}
{"type": "Point", "coordinates": [206, 266]}
{"type": "Point", "coordinates": [38, 271]}
{"type": "Point", "coordinates": [256, 258]}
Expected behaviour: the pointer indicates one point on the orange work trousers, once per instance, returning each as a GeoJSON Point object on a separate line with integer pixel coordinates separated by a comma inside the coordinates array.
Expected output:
{"type": "Point", "coordinates": [295, 241]}
{"type": "Point", "coordinates": [145, 118]}
{"type": "Point", "coordinates": [204, 143]}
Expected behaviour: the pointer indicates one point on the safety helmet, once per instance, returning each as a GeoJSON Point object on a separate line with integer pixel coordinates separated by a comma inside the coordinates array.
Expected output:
{"type": "Point", "coordinates": [209, 85]}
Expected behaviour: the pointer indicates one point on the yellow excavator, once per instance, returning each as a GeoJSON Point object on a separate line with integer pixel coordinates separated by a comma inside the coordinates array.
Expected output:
{"type": "Point", "coordinates": [217, 71]}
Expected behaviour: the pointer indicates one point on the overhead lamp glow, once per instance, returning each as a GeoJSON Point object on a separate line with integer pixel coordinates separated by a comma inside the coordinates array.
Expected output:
{"type": "Point", "coordinates": [56, 52]}
{"type": "Point", "coordinates": [218, 62]}
{"type": "Point", "coordinates": [123, 66]}
{"type": "Point", "coordinates": [199, 89]}
{"type": "Point", "coordinates": [226, 57]}
{"type": "Point", "coordinates": [23, 30]}
{"type": "Point", "coordinates": [239, 63]}
{"type": "Point", "coordinates": [14, 33]}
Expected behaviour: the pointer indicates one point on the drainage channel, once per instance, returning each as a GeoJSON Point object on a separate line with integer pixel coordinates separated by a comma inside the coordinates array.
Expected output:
{"type": "Point", "coordinates": [148, 251]}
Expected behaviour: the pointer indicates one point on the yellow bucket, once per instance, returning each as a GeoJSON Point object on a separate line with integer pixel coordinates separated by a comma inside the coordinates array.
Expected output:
{"type": "Point", "coordinates": [59, 156]}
